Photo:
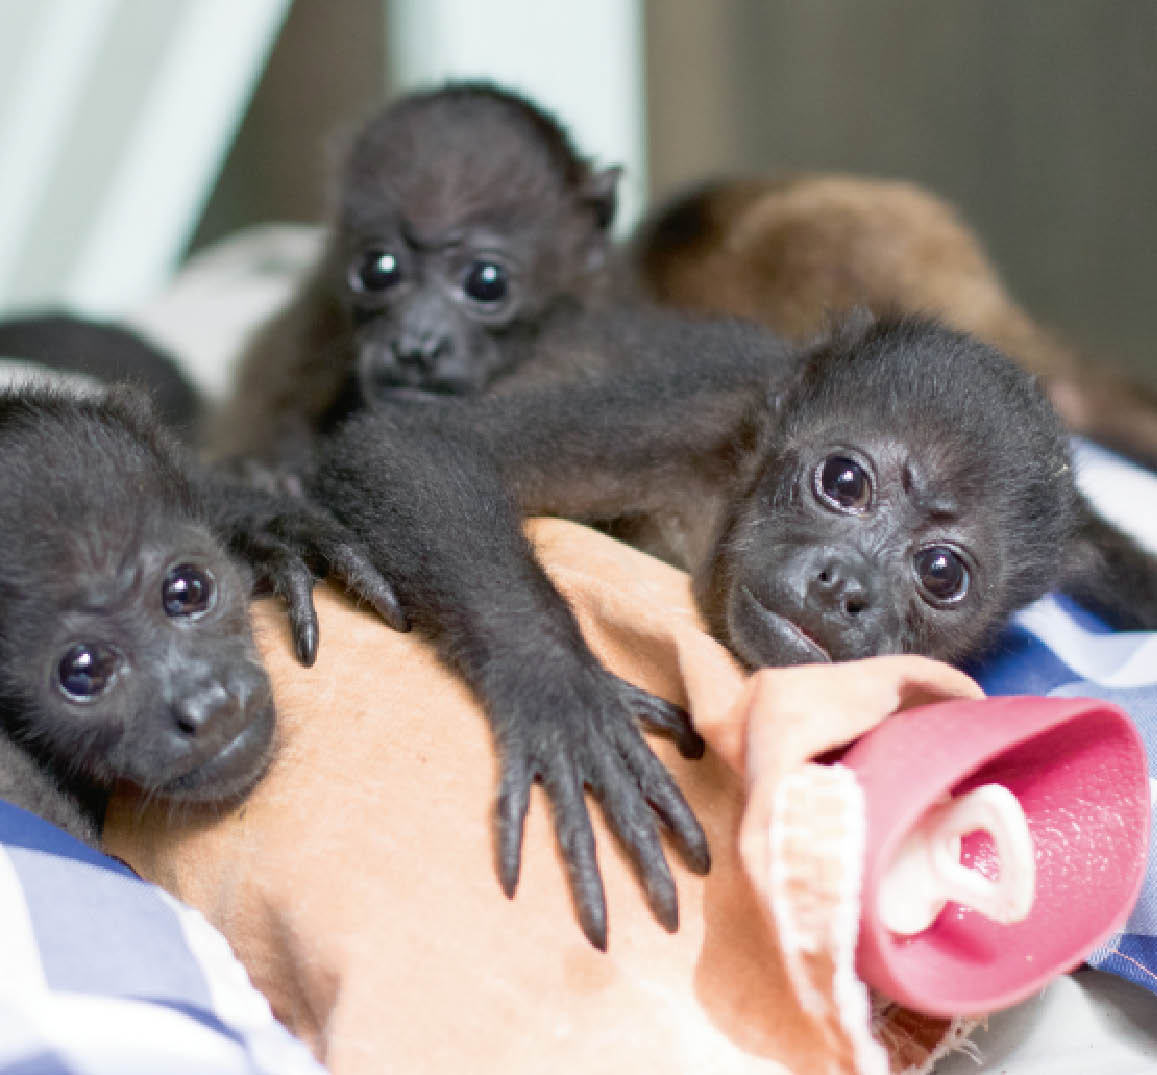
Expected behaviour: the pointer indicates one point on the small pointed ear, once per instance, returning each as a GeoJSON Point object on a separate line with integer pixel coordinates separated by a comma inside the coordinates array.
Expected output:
{"type": "Point", "coordinates": [1110, 574]}
{"type": "Point", "coordinates": [600, 192]}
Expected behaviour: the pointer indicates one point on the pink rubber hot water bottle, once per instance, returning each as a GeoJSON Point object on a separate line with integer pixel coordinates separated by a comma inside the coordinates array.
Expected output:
{"type": "Point", "coordinates": [1006, 838]}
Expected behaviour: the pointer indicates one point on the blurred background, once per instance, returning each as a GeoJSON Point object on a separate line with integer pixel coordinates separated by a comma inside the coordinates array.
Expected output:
{"type": "Point", "coordinates": [134, 132]}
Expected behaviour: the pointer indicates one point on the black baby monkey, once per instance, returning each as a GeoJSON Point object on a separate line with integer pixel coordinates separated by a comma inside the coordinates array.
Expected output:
{"type": "Point", "coordinates": [897, 487]}
{"type": "Point", "coordinates": [125, 649]}
{"type": "Point", "coordinates": [464, 217]}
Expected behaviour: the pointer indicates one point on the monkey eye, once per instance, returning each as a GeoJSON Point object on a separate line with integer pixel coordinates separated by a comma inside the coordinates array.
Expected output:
{"type": "Point", "coordinates": [188, 591]}
{"type": "Point", "coordinates": [841, 483]}
{"type": "Point", "coordinates": [87, 670]}
{"type": "Point", "coordinates": [941, 574]}
{"type": "Point", "coordinates": [486, 281]}
{"type": "Point", "coordinates": [375, 271]}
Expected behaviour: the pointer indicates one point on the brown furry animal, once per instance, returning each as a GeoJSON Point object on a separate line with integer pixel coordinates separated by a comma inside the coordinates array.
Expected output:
{"type": "Point", "coordinates": [790, 252]}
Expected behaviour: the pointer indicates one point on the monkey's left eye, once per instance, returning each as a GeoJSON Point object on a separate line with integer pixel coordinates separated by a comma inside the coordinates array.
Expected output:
{"type": "Point", "coordinates": [87, 670]}
{"type": "Point", "coordinates": [941, 574]}
{"type": "Point", "coordinates": [377, 270]}
{"type": "Point", "coordinates": [841, 483]}
{"type": "Point", "coordinates": [486, 281]}
{"type": "Point", "coordinates": [189, 591]}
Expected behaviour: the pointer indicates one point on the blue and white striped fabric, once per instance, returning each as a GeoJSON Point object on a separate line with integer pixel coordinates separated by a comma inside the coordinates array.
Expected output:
{"type": "Point", "coordinates": [104, 974]}
{"type": "Point", "coordinates": [1056, 648]}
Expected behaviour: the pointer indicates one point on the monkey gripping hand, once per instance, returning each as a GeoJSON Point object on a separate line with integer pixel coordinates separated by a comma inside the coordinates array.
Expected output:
{"type": "Point", "coordinates": [288, 543]}
{"type": "Point", "coordinates": [430, 506]}
{"type": "Point", "coordinates": [575, 726]}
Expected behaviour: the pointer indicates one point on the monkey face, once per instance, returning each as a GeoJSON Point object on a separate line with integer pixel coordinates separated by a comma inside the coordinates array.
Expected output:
{"type": "Point", "coordinates": [911, 490]}
{"type": "Point", "coordinates": [432, 318]}
{"type": "Point", "coordinates": [142, 669]}
{"type": "Point", "coordinates": [465, 215]}
{"type": "Point", "coordinates": [846, 550]}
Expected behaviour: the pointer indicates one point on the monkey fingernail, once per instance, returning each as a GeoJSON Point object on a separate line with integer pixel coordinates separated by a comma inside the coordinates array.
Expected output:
{"type": "Point", "coordinates": [387, 605]}
{"type": "Point", "coordinates": [665, 907]}
{"type": "Point", "coordinates": [305, 638]}
{"type": "Point", "coordinates": [594, 925]}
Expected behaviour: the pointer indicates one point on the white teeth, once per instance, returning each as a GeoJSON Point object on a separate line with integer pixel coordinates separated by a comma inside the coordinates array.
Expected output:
{"type": "Point", "coordinates": [926, 872]}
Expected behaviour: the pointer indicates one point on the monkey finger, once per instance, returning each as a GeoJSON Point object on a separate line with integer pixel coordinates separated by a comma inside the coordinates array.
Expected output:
{"type": "Point", "coordinates": [364, 580]}
{"type": "Point", "coordinates": [633, 822]}
{"type": "Point", "coordinates": [658, 715]}
{"type": "Point", "coordinates": [660, 790]}
{"type": "Point", "coordinates": [303, 616]}
{"type": "Point", "coordinates": [576, 838]}
{"type": "Point", "coordinates": [292, 580]}
{"type": "Point", "coordinates": [510, 816]}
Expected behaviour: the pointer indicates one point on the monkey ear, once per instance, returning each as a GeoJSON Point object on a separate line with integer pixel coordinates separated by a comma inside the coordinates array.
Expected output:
{"type": "Point", "coordinates": [600, 193]}
{"type": "Point", "coordinates": [1109, 573]}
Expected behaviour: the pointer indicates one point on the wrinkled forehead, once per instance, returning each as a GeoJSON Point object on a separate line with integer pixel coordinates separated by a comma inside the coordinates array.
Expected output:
{"type": "Point", "coordinates": [104, 560]}
{"type": "Point", "coordinates": [977, 451]}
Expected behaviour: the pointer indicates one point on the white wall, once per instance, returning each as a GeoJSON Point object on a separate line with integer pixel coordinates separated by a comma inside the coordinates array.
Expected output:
{"type": "Point", "coordinates": [115, 116]}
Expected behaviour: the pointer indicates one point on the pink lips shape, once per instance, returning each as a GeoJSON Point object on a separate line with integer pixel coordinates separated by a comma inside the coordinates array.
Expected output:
{"type": "Point", "coordinates": [1078, 770]}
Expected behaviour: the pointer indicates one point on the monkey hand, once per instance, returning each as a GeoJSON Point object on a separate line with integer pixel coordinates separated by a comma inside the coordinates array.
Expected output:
{"type": "Point", "coordinates": [288, 543]}
{"type": "Point", "coordinates": [581, 731]}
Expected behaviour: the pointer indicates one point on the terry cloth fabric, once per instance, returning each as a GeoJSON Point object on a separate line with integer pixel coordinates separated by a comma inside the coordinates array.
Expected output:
{"type": "Point", "coordinates": [357, 882]}
{"type": "Point", "coordinates": [104, 974]}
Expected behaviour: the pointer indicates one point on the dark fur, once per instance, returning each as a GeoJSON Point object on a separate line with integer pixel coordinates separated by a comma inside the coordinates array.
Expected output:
{"type": "Point", "coordinates": [107, 353]}
{"type": "Point", "coordinates": [96, 509]}
{"type": "Point", "coordinates": [706, 439]}
{"type": "Point", "coordinates": [431, 510]}
{"type": "Point", "coordinates": [440, 180]}
{"type": "Point", "coordinates": [98, 503]}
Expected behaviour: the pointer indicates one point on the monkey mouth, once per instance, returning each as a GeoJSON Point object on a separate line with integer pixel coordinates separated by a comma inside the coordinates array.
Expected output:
{"type": "Point", "coordinates": [395, 386]}
{"type": "Point", "coordinates": [233, 770]}
{"type": "Point", "coordinates": [407, 394]}
{"type": "Point", "coordinates": [765, 638]}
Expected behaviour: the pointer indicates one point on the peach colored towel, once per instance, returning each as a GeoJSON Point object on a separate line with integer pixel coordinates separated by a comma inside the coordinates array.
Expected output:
{"type": "Point", "coordinates": [357, 882]}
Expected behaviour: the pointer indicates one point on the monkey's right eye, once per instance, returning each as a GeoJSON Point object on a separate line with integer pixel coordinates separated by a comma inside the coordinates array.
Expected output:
{"type": "Point", "coordinates": [486, 282]}
{"type": "Point", "coordinates": [189, 591]}
{"type": "Point", "coordinates": [375, 271]}
{"type": "Point", "coordinates": [87, 670]}
{"type": "Point", "coordinates": [841, 483]}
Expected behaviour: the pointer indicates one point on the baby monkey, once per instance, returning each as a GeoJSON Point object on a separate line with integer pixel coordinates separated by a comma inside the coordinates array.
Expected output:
{"type": "Point", "coordinates": [464, 218]}
{"type": "Point", "coordinates": [125, 648]}
{"type": "Point", "coordinates": [896, 487]}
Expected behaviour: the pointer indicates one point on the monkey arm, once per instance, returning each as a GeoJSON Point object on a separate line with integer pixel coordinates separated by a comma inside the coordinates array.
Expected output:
{"type": "Point", "coordinates": [632, 408]}
{"type": "Point", "coordinates": [432, 512]}
{"type": "Point", "coordinates": [661, 423]}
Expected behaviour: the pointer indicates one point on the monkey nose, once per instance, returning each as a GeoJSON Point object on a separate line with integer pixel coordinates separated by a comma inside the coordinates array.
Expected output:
{"type": "Point", "coordinates": [420, 354]}
{"type": "Point", "coordinates": [194, 713]}
{"type": "Point", "coordinates": [838, 586]}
